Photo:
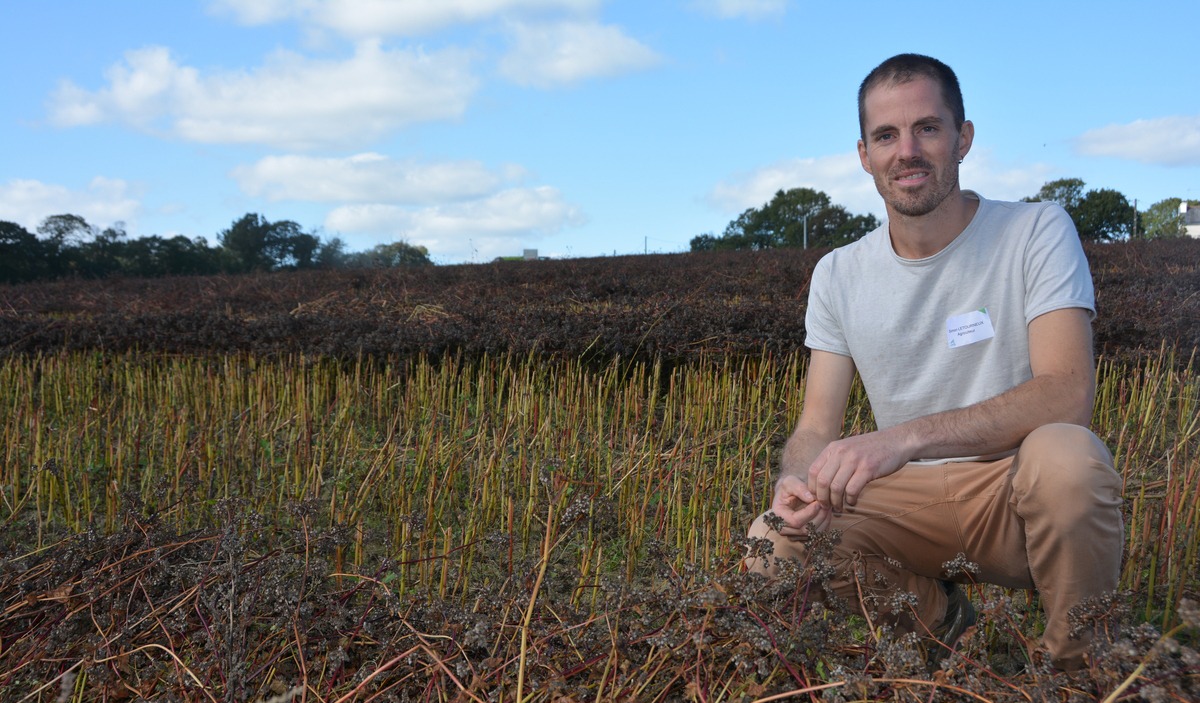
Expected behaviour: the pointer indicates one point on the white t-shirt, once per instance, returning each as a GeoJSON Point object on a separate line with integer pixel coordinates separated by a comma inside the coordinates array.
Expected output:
{"type": "Point", "coordinates": [944, 332]}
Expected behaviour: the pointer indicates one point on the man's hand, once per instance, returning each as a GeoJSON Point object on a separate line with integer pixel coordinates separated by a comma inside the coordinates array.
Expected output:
{"type": "Point", "coordinates": [841, 471]}
{"type": "Point", "coordinates": [797, 506]}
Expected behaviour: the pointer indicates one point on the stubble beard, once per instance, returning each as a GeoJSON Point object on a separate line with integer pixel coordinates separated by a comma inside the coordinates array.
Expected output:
{"type": "Point", "coordinates": [925, 200]}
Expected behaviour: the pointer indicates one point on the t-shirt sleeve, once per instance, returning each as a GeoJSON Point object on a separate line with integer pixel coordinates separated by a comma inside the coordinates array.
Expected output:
{"type": "Point", "coordinates": [823, 328]}
{"type": "Point", "coordinates": [1056, 269]}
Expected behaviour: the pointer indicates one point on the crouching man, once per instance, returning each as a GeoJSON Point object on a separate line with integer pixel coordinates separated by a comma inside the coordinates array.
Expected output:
{"type": "Point", "coordinates": [969, 323]}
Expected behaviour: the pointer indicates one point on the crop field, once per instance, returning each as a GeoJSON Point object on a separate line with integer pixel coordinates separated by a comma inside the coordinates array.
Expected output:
{"type": "Point", "coordinates": [522, 481]}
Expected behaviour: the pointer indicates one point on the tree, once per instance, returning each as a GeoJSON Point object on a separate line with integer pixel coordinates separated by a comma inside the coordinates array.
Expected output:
{"type": "Point", "coordinates": [704, 242]}
{"type": "Point", "coordinates": [180, 255]}
{"type": "Point", "coordinates": [156, 256]}
{"type": "Point", "coordinates": [1067, 192]}
{"type": "Point", "coordinates": [835, 226]}
{"type": "Point", "coordinates": [332, 254]}
{"type": "Point", "coordinates": [743, 233]}
{"type": "Point", "coordinates": [1104, 215]}
{"type": "Point", "coordinates": [66, 230]}
{"type": "Point", "coordinates": [63, 235]}
{"type": "Point", "coordinates": [297, 249]}
{"type": "Point", "coordinates": [103, 255]}
{"type": "Point", "coordinates": [254, 243]}
{"type": "Point", "coordinates": [23, 257]}
{"type": "Point", "coordinates": [1162, 220]}
{"type": "Point", "coordinates": [792, 218]}
{"type": "Point", "coordinates": [392, 255]}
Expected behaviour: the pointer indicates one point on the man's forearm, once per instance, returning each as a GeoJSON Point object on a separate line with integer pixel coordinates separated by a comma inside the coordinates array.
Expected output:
{"type": "Point", "coordinates": [800, 451]}
{"type": "Point", "coordinates": [998, 424]}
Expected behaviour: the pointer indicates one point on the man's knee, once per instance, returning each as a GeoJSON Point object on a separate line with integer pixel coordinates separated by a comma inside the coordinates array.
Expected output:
{"type": "Point", "coordinates": [762, 543]}
{"type": "Point", "coordinates": [1061, 462]}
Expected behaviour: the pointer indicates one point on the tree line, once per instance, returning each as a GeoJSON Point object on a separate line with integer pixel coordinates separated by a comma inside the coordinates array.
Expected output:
{"type": "Point", "coordinates": [799, 217]}
{"type": "Point", "coordinates": [1106, 215]}
{"type": "Point", "coordinates": [68, 246]}
{"type": "Point", "coordinates": [807, 217]}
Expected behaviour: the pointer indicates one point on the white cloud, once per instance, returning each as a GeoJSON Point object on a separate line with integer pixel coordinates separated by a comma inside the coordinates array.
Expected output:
{"type": "Point", "coordinates": [839, 176]}
{"type": "Point", "coordinates": [750, 9]}
{"type": "Point", "coordinates": [842, 178]}
{"type": "Point", "coordinates": [498, 225]}
{"type": "Point", "coordinates": [551, 54]}
{"type": "Point", "coordinates": [459, 210]}
{"type": "Point", "coordinates": [983, 173]}
{"type": "Point", "coordinates": [372, 18]}
{"type": "Point", "coordinates": [1169, 141]}
{"type": "Point", "coordinates": [254, 12]}
{"type": "Point", "coordinates": [369, 178]}
{"type": "Point", "coordinates": [291, 101]}
{"type": "Point", "coordinates": [104, 202]}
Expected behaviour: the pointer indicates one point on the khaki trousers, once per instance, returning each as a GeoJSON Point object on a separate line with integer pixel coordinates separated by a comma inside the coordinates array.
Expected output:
{"type": "Point", "coordinates": [1047, 518]}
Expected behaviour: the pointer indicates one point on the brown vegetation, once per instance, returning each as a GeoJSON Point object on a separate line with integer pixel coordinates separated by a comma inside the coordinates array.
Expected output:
{"type": "Point", "coordinates": [670, 307]}
{"type": "Point", "coordinates": [509, 482]}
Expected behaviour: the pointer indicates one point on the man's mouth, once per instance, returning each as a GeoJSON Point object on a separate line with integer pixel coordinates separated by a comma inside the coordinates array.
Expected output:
{"type": "Point", "coordinates": [911, 178]}
{"type": "Point", "coordinates": [912, 172]}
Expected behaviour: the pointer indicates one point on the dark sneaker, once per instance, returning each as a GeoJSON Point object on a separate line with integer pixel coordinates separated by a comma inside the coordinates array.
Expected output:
{"type": "Point", "coordinates": [960, 615]}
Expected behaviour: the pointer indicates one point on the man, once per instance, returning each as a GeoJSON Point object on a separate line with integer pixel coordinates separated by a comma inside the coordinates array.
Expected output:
{"type": "Point", "coordinates": [969, 323]}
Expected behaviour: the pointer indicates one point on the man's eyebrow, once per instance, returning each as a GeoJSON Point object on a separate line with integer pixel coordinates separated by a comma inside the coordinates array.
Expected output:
{"type": "Point", "coordinates": [881, 129]}
{"type": "Point", "coordinates": [929, 120]}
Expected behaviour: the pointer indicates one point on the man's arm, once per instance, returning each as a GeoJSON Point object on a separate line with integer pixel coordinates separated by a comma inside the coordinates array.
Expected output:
{"type": "Point", "coordinates": [826, 392]}
{"type": "Point", "coordinates": [1062, 390]}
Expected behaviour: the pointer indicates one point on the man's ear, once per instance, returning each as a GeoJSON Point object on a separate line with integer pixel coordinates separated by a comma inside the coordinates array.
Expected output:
{"type": "Point", "coordinates": [966, 136]}
{"type": "Point", "coordinates": [862, 156]}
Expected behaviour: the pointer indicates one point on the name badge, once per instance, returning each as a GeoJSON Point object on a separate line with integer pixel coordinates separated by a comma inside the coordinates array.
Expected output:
{"type": "Point", "coordinates": [969, 328]}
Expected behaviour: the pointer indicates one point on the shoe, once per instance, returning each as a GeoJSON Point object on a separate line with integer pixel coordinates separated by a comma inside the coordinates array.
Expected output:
{"type": "Point", "coordinates": [960, 615]}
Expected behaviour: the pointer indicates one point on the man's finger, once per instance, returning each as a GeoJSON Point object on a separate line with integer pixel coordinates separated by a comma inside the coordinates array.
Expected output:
{"type": "Point", "coordinates": [819, 478]}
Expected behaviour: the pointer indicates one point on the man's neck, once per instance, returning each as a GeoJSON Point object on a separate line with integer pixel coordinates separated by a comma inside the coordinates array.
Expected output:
{"type": "Point", "coordinates": [923, 236]}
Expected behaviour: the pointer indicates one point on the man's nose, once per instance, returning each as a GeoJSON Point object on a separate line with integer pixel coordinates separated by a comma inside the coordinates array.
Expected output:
{"type": "Point", "coordinates": [909, 147]}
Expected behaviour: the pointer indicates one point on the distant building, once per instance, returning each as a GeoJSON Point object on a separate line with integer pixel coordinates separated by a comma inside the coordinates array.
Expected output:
{"type": "Point", "coordinates": [526, 255]}
{"type": "Point", "coordinates": [1191, 218]}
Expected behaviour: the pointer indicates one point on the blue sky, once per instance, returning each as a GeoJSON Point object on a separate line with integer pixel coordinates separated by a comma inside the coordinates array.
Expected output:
{"type": "Point", "coordinates": [479, 128]}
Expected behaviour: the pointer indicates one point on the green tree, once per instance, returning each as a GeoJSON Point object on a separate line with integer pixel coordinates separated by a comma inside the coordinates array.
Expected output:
{"type": "Point", "coordinates": [1100, 215]}
{"type": "Point", "coordinates": [1067, 192]}
{"type": "Point", "coordinates": [743, 232]}
{"type": "Point", "coordinates": [298, 249]}
{"type": "Point", "coordinates": [178, 255]}
{"type": "Point", "coordinates": [392, 255]}
{"type": "Point", "coordinates": [792, 218]}
{"type": "Point", "coordinates": [66, 230]}
{"type": "Point", "coordinates": [331, 254]}
{"type": "Point", "coordinates": [1162, 220]}
{"type": "Point", "coordinates": [254, 243]}
{"type": "Point", "coordinates": [704, 242]}
{"type": "Point", "coordinates": [63, 235]}
{"type": "Point", "coordinates": [1104, 215]}
{"type": "Point", "coordinates": [834, 226]}
{"type": "Point", "coordinates": [23, 257]}
{"type": "Point", "coordinates": [103, 254]}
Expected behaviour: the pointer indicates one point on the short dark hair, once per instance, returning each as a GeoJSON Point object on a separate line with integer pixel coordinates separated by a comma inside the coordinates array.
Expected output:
{"type": "Point", "coordinates": [903, 68]}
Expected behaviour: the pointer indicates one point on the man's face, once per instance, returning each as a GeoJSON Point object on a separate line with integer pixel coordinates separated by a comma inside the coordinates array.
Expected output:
{"type": "Point", "coordinates": [912, 148]}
